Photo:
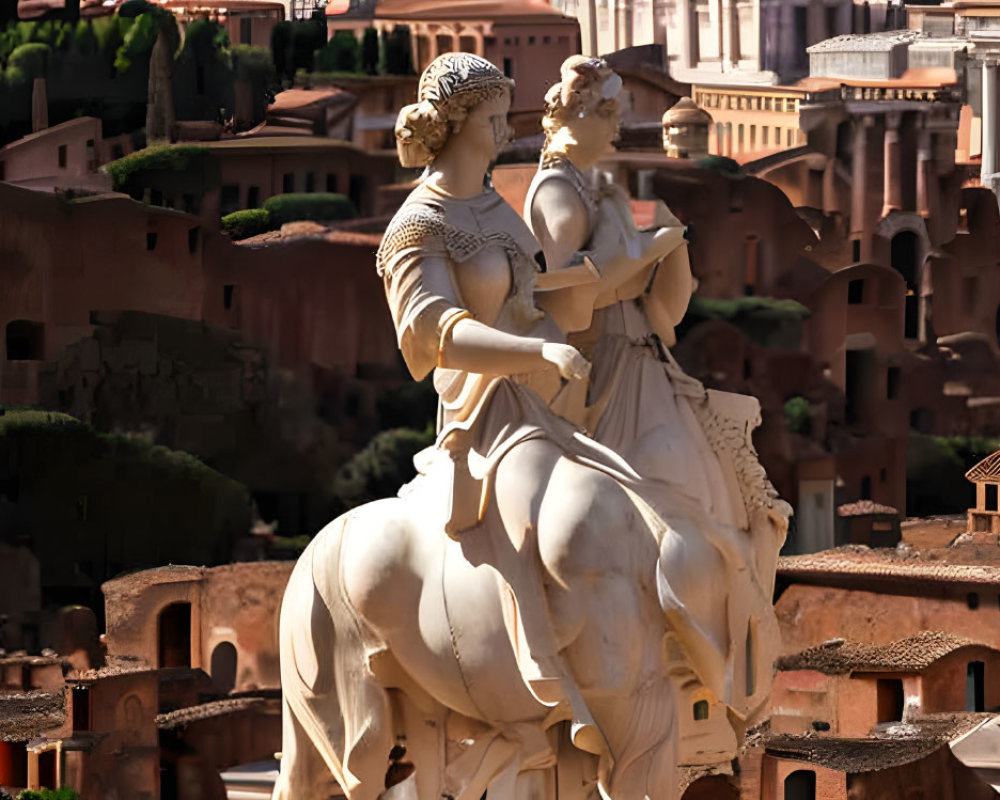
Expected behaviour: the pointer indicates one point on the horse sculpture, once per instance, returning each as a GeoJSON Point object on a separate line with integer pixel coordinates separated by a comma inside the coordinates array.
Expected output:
{"type": "Point", "coordinates": [522, 619]}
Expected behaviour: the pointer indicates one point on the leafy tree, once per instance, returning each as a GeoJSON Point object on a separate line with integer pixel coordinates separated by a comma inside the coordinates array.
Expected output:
{"type": "Point", "coordinates": [370, 51]}
{"type": "Point", "coordinates": [935, 472]}
{"type": "Point", "coordinates": [294, 45]}
{"type": "Point", "coordinates": [797, 415]}
{"type": "Point", "coordinates": [255, 66]}
{"type": "Point", "coordinates": [341, 53]}
{"type": "Point", "coordinates": [397, 52]}
{"type": "Point", "coordinates": [157, 28]}
{"type": "Point", "coordinates": [384, 465]}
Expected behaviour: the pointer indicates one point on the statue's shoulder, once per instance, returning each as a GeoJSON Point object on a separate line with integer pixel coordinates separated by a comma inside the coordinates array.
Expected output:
{"type": "Point", "coordinates": [419, 223]}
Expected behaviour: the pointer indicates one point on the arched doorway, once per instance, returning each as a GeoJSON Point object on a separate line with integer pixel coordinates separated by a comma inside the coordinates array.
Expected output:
{"type": "Point", "coordinates": [174, 636]}
{"type": "Point", "coordinates": [223, 668]}
{"type": "Point", "coordinates": [801, 785]}
{"type": "Point", "coordinates": [904, 255]}
{"type": "Point", "coordinates": [714, 787]}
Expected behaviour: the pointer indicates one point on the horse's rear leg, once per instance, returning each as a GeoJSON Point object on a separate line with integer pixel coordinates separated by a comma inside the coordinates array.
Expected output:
{"type": "Point", "coordinates": [304, 775]}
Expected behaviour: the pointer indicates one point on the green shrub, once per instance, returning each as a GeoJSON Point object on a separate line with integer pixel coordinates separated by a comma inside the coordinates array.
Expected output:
{"type": "Point", "coordinates": [340, 54]}
{"type": "Point", "coordinates": [246, 223]}
{"type": "Point", "coordinates": [66, 793]}
{"type": "Point", "coordinates": [766, 321]}
{"type": "Point", "coordinates": [319, 207]}
{"type": "Point", "coordinates": [382, 467]}
{"type": "Point", "coordinates": [174, 157]}
{"type": "Point", "coordinates": [797, 415]}
{"type": "Point", "coordinates": [30, 59]}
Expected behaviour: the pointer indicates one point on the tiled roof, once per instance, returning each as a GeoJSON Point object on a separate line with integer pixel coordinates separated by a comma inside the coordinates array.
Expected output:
{"type": "Point", "coordinates": [895, 746]}
{"type": "Point", "coordinates": [884, 565]}
{"type": "Point", "coordinates": [863, 508]}
{"type": "Point", "coordinates": [987, 469]}
{"type": "Point", "coordinates": [25, 715]}
{"type": "Point", "coordinates": [216, 708]}
{"type": "Point", "coordinates": [912, 654]}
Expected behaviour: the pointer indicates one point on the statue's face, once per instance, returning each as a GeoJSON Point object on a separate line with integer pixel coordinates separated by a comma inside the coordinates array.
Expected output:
{"type": "Point", "coordinates": [486, 128]}
{"type": "Point", "coordinates": [597, 130]}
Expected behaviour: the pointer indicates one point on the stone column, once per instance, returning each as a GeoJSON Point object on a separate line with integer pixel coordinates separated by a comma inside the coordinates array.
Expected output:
{"type": "Point", "coordinates": [923, 172]}
{"type": "Point", "coordinates": [859, 178]}
{"type": "Point", "coordinates": [39, 106]}
{"type": "Point", "coordinates": [989, 147]}
{"type": "Point", "coordinates": [592, 28]}
{"type": "Point", "coordinates": [892, 190]}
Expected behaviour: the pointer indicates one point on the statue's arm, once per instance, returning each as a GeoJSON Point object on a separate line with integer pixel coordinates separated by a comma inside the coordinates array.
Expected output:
{"type": "Point", "coordinates": [435, 329]}
{"type": "Point", "coordinates": [560, 222]}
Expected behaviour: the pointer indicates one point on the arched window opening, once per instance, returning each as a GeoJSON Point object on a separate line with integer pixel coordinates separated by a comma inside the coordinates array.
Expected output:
{"type": "Point", "coordinates": [174, 634]}
{"type": "Point", "coordinates": [223, 668]}
{"type": "Point", "coordinates": [700, 710]}
{"type": "Point", "coordinates": [801, 785]}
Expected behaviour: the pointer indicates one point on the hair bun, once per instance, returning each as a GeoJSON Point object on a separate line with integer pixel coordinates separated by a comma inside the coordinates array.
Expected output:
{"type": "Point", "coordinates": [411, 134]}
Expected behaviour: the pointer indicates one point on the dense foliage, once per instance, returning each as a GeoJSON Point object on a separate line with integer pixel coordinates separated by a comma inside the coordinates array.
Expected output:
{"type": "Point", "coordinates": [935, 472]}
{"type": "Point", "coordinates": [105, 503]}
{"type": "Point", "coordinates": [382, 467]}
{"type": "Point", "coordinates": [797, 410]}
{"type": "Point", "coordinates": [246, 223]}
{"type": "Point", "coordinates": [100, 67]}
{"type": "Point", "coordinates": [766, 321]}
{"type": "Point", "coordinates": [319, 206]}
{"type": "Point", "coordinates": [125, 172]}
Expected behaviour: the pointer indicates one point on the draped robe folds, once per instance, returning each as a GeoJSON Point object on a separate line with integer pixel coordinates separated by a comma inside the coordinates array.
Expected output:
{"type": "Point", "coordinates": [483, 417]}
{"type": "Point", "coordinates": [675, 433]}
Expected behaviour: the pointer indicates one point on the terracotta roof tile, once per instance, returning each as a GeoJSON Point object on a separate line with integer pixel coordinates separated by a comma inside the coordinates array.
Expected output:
{"type": "Point", "coordinates": [25, 715]}
{"type": "Point", "coordinates": [887, 565]}
{"type": "Point", "coordinates": [912, 654]}
{"type": "Point", "coordinates": [863, 508]}
{"type": "Point", "coordinates": [216, 708]}
{"type": "Point", "coordinates": [894, 746]}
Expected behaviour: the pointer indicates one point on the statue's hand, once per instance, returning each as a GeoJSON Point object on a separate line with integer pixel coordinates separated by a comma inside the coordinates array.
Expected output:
{"type": "Point", "coordinates": [567, 360]}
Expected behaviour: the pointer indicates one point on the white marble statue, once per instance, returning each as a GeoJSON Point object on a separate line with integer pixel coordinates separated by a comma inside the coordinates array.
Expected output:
{"type": "Point", "coordinates": [644, 407]}
{"type": "Point", "coordinates": [514, 621]}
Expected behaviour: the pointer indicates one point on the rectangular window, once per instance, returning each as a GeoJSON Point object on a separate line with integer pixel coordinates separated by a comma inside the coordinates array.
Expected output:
{"type": "Point", "coordinates": [856, 293]}
{"type": "Point", "coordinates": [975, 695]}
{"type": "Point", "coordinates": [892, 383]}
{"type": "Point", "coordinates": [229, 200]}
{"type": "Point", "coordinates": [151, 240]}
{"type": "Point", "coordinates": [777, 103]}
{"type": "Point", "coordinates": [81, 708]}
{"type": "Point", "coordinates": [331, 183]}
{"type": "Point", "coordinates": [227, 296]}
{"type": "Point", "coordinates": [193, 236]}
{"type": "Point", "coordinates": [763, 135]}
{"type": "Point", "coordinates": [508, 68]}
{"type": "Point", "coordinates": [991, 497]}
{"type": "Point", "coordinates": [253, 197]}
{"type": "Point", "coordinates": [62, 156]}
{"type": "Point", "coordinates": [310, 181]}
{"type": "Point", "coordinates": [288, 183]}
{"type": "Point", "coordinates": [856, 249]}
{"type": "Point", "coordinates": [246, 30]}
{"type": "Point", "coordinates": [890, 700]}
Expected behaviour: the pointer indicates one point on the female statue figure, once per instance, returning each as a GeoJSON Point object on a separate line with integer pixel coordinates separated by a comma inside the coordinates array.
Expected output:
{"type": "Point", "coordinates": [640, 403]}
{"type": "Point", "coordinates": [504, 620]}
